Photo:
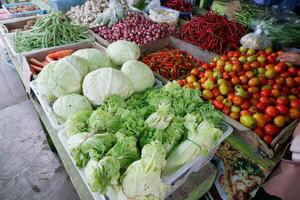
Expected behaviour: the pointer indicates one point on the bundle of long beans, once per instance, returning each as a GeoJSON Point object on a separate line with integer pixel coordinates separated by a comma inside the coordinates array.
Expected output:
{"type": "Point", "coordinates": [49, 31]}
{"type": "Point", "coordinates": [245, 16]}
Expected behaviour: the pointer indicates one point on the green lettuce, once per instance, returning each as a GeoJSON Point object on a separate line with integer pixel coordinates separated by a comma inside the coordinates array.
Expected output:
{"type": "Point", "coordinates": [92, 147]}
{"type": "Point", "coordinates": [201, 139]}
{"type": "Point", "coordinates": [106, 171]}
{"type": "Point", "coordinates": [142, 178]}
{"type": "Point", "coordinates": [78, 122]}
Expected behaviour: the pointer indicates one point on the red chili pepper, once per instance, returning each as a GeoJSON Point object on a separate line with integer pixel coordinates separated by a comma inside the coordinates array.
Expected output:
{"type": "Point", "coordinates": [171, 63]}
{"type": "Point", "coordinates": [180, 5]}
{"type": "Point", "coordinates": [213, 32]}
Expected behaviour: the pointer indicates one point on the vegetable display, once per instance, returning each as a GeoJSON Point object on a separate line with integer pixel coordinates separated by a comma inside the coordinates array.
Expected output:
{"type": "Point", "coordinates": [51, 30]}
{"type": "Point", "coordinates": [160, 124]}
{"type": "Point", "coordinates": [252, 87]}
{"type": "Point", "coordinates": [171, 63]}
{"type": "Point", "coordinates": [180, 5]}
{"type": "Point", "coordinates": [135, 28]}
{"type": "Point", "coordinates": [213, 32]}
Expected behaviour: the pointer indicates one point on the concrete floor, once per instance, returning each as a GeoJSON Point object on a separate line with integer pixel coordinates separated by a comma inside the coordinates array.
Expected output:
{"type": "Point", "coordinates": [29, 170]}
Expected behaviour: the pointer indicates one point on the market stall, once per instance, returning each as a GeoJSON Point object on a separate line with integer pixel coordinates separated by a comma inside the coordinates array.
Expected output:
{"type": "Point", "coordinates": [152, 99]}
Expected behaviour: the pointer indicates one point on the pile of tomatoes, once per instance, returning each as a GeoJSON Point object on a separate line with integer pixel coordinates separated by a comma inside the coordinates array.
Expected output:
{"type": "Point", "coordinates": [251, 86]}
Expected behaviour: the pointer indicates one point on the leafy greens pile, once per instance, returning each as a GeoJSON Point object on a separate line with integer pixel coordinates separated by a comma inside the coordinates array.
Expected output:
{"type": "Point", "coordinates": [161, 124]}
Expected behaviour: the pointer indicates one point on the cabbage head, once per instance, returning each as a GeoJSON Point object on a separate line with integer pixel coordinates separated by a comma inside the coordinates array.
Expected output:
{"type": "Point", "coordinates": [96, 59]}
{"type": "Point", "coordinates": [139, 74]}
{"type": "Point", "coordinates": [121, 51]}
{"type": "Point", "coordinates": [67, 76]}
{"type": "Point", "coordinates": [69, 104]}
{"type": "Point", "coordinates": [105, 82]}
{"type": "Point", "coordinates": [78, 122]}
{"type": "Point", "coordinates": [42, 81]}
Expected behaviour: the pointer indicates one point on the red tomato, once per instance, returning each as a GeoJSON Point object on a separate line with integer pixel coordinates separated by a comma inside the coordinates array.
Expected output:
{"type": "Point", "coordinates": [259, 119]}
{"type": "Point", "coordinates": [256, 95]}
{"type": "Point", "coordinates": [253, 102]}
{"type": "Point", "coordinates": [237, 54]}
{"type": "Point", "coordinates": [215, 91]}
{"type": "Point", "coordinates": [282, 100]}
{"type": "Point", "coordinates": [285, 91]}
{"type": "Point", "coordinates": [259, 131]}
{"type": "Point", "coordinates": [254, 82]}
{"type": "Point", "coordinates": [265, 100]}
{"type": "Point", "coordinates": [235, 80]}
{"type": "Point", "coordinates": [280, 80]}
{"type": "Point", "coordinates": [245, 112]}
{"type": "Point", "coordinates": [271, 82]}
{"type": "Point", "coordinates": [265, 93]}
{"type": "Point", "coordinates": [298, 73]}
{"type": "Point", "coordinates": [295, 91]}
{"type": "Point", "coordinates": [261, 107]}
{"type": "Point", "coordinates": [270, 66]}
{"type": "Point", "coordinates": [263, 80]}
{"type": "Point", "coordinates": [253, 90]}
{"type": "Point", "coordinates": [282, 109]}
{"type": "Point", "coordinates": [284, 75]}
{"type": "Point", "coordinates": [235, 116]}
{"type": "Point", "coordinates": [294, 113]}
{"type": "Point", "coordinates": [295, 103]}
{"type": "Point", "coordinates": [218, 104]}
{"type": "Point", "coordinates": [275, 93]}
{"type": "Point", "coordinates": [293, 71]}
{"type": "Point", "coordinates": [271, 129]}
{"type": "Point", "coordinates": [245, 105]}
{"type": "Point", "coordinates": [268, 139]}
{"type": "Point", "coordinates": [271, 59]}
{"type": "Point", "coordinates": [268, 118]}
{"type": "Point", "coordinates": [224, 57]}
{"type": "Point", "coordinates": [237, 67]}
{"type": "Point", "coordinates": [250, 74]}
{"type": "Point", "coordinates": [271, 111]}
{"type": "Point", "coordinates": [226, 75]}
{"type": "Point", "coordinates": [246, 66]}
{"type": "Point", "coordinates": [201, 75]}
{"type": "Point", "coordinates": [230, 54]}
{"type": "Point", "coordinates": [230, 95]}
{"type": "Point", "coordinates": [253, 109]}
{"type": "Point", "coordinates": [279, 68]}
{"type": "Point", "coordinates": [206, 66]}
{"type": "Point", "coordinates": [226, 110]}
{"type": "Point", "coordinates": [277, 86]}
{"type": "Point", "coordinates": [289, 81]}
{"type": "Point", "coordinates": [237, 100]}
{"type": "Point", "coordinates": [255, 64]}
{"type": "Point", "coordinates": [297, 79]}
{"type": "Point", "coordinates": [244, 79]}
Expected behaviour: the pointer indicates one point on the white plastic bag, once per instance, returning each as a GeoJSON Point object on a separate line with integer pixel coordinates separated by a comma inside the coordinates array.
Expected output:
{"type": "Point", "coordinates": [112, 15]}
{"type": "Point", "coordinates": [152, 4]}
{"type": "Point", "coordinates": [164, 15]}
{"type": "Point", "coordinates": [255, 40]}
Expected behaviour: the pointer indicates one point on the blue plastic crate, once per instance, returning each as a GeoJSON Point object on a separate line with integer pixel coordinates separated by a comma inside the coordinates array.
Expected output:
{"type": "Point", "coordinates": [64, 5]}
{"type": "Point", "coordinates": [35, 12]}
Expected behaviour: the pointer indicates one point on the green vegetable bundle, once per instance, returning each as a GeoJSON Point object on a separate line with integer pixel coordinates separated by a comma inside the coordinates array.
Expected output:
{"type": "Point", "coordinates": [49, 31]}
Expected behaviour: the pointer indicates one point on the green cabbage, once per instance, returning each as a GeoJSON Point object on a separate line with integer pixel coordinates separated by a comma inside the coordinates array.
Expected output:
{"type": "Point", "coordinates": [69, 104]}
{"type": "Point", "coordinates": [121, 51]}
{"type": "Point", "coordinates": [105, 82]}
{"type": "Point", "coordinates": [201, 139]}
{"type": "Point", "coordinates": [43, 79]}
{"type": "Point", "coordinates": [96, 59]}
{"type": "Point", "coordinates": [78, 122]}
{"type": "Point", "coordinates": [67, 76]}
{"type": "Point", "coordinates": [142, 180]}
{"type": "Point", "coordinates": [139, 74]}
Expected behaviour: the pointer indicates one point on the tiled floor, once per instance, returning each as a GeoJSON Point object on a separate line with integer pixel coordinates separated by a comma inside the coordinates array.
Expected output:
{"type": "Point", "coordinates": [29, 170]}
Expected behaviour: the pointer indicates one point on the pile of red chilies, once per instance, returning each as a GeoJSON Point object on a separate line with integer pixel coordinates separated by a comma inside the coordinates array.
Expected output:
{"type": "Point", "coordinates": [213, 32]}
{"type": "Point", "coordinates": [171, 63]}
{"type": "Point", "coordinates": [180, 5]}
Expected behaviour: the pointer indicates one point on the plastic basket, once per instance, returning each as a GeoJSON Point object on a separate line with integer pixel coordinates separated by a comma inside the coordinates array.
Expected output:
{"type": "Point", "coordinates": [23, 14]}
{"type": "Point", "coordinates": [64, 5]}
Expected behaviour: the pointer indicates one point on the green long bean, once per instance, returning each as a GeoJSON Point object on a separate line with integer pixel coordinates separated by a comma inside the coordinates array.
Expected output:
{"type": "Point", "coordinates": [50, 31]}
